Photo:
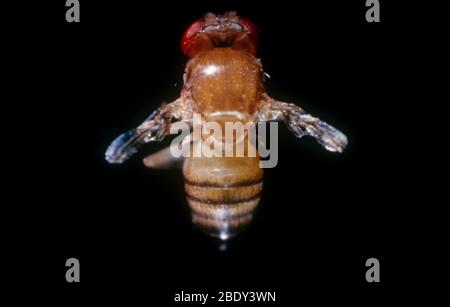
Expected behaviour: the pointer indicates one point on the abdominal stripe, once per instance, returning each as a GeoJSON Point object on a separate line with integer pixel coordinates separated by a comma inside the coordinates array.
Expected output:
{"type": "Point", "coordinates": [223, 186]}
{"type": "Point", "coordinates": [222, 202]}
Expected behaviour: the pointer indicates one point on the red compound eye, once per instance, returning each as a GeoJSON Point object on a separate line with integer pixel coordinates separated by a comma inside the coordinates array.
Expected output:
{"type": "Point", "coordinates": [252, 29]}
{"type": "Point", "coordinates": [186, 40]}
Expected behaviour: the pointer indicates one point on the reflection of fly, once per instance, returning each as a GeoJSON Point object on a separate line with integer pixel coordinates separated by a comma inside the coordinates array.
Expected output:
{"type": "Point", "coordinates": [223, 81]}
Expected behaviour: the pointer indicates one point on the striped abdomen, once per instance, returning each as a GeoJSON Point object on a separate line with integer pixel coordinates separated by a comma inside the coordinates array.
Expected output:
{"type": "Point", "coordinates": [222, 193]}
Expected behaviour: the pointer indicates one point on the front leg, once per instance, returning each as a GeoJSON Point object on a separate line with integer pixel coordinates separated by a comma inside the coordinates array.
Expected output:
{"type": "Point", "coordinates": [302, 123]}
{"type": "Point", "coordinates": [154, 128]}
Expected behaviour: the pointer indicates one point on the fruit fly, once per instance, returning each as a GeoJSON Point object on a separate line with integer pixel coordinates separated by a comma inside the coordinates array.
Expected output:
{"type": "Point", "coordinates": [224, 82]}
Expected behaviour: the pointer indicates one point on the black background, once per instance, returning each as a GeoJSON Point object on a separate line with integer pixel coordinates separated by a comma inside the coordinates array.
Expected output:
{"type": "Point", "coordinates": [322, 214]}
